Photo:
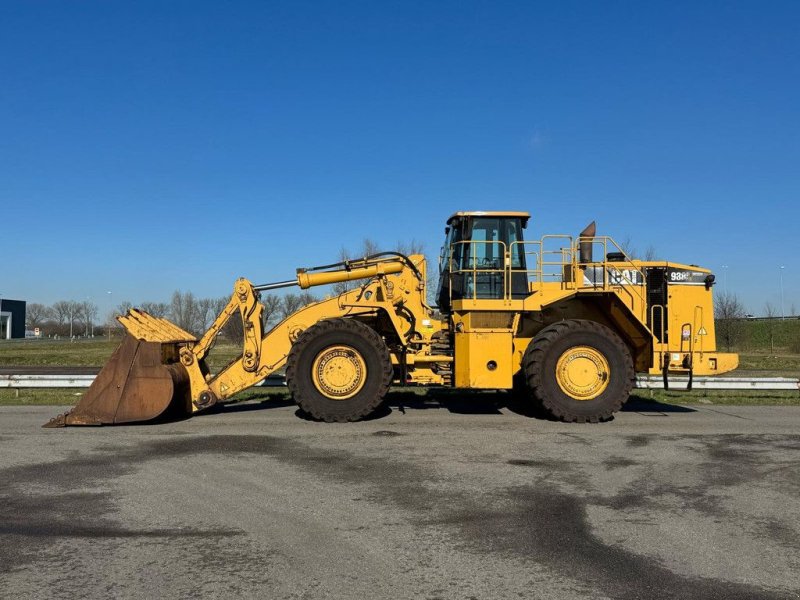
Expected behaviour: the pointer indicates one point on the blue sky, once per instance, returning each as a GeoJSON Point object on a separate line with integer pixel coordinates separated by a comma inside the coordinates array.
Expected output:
{"type": "Point", "coordinates": [153, 146]}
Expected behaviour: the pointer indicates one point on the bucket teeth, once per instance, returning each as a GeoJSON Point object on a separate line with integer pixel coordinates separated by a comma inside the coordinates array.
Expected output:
{"type": "Point", "coordinates": [59, 421]}
{"type": "Point", "coordinates": [68, 418]}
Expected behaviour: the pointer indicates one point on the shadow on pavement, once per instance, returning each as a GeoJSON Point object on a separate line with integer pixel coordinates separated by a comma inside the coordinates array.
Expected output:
{"type": "Point", "coordinates": [466, 402]}
{"type": "Point", "coordinates": [641, 404]}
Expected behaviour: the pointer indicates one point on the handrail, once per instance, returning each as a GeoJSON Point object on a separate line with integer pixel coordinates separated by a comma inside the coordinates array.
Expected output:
{"type": "Point", "coordinates": [662, 343]}
{"type": "Point", "coordinates": [549, 264]}
{"type": "Point", "coordinates": [474, 267]}
{"type": "Point", "coordinates": [699, 328]}
{"type": "Point", "coordinates": [661, 311]}
{"type": "Point", "coordinates": [608, 266]}
{"type": "Point", "coordinates": [533, 275]}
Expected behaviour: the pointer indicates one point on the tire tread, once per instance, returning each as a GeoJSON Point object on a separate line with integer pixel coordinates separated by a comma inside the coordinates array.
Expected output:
{"type": "Point", "coordinates": [310, 404]}
{"type": "Point", "coordinates": [537, 352]}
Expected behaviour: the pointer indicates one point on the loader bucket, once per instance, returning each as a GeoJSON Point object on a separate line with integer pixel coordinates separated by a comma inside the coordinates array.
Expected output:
{"type": "Point", "coordinates": [134, 386]}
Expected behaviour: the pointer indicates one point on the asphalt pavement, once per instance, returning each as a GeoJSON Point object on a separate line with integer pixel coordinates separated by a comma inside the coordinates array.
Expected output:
{"type": "Point", "coordinates": [445, 499]}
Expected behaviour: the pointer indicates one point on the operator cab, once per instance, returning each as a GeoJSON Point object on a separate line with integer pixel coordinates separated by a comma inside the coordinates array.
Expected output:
{"type": "Point", "coordinates": [481, 251]}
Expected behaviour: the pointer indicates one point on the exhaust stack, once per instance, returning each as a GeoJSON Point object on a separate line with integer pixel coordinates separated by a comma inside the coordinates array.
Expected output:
{"type": "Point", "coordinates": [585, 243]}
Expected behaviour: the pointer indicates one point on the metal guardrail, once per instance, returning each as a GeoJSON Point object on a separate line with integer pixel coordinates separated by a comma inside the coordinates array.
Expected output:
{"type": "Point", "coordinates": [84, 381]}
{"type": "Point", "coordinates": [642, 381]}
{"type": "Point", "coordinates": [46, 381]}
{"type": "Point", "coordinates": [721, 383]}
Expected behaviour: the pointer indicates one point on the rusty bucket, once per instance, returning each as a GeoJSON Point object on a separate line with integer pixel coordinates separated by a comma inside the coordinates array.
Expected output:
{"type": "Point", "coordinates": [140, 382]}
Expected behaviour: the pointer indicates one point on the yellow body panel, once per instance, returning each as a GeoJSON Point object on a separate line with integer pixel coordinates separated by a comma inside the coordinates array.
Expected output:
{"type": "Point", "coordinates": [691, 334]}
{"type": "Point", "coordinates": [483, 360]}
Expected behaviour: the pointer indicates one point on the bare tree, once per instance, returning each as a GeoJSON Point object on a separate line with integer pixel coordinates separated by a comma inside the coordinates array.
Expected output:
{"type": "Point", "coordinates": [184, 311]}
{"type": "Point", "coordinates": [157, 309]}
{"type": "Point", "coordinates": [272, 306]}
{"type": "Point", "coordinates": [344, 254]}
{"type": "Point", "coordinates": [123, 308]}
{"type": "Point", "coordinates": [111, 320]}
{"type": "Point", "coordinates": [307, 298]}
{"type": "Point", "coordinates": [233, 329]}
{"type": "Point", "coordinates": [60, 311]}
{"type": "Point", "coordinates": [89, 311]}
{"type": "Point", "coordinates": [290, 304]}
{"type": "Point", "coordinates": [219, 304]}
{"type": "Point", "coordinates": [771, 312]}
{"type": "Point", "coordinates": [728, 313]}
{"type": "Point", "coordinates": [111, 323]}
{"type": "Point", "coordinates": [205, 312]}
{"type": "Point", "coordinates": [36, 314]}
{"type": "Point", "coordinates": [626, 245]}
{"type": "Point", "coordinates": [369, 247]}
{"type": "Point", "coordinates": [650, 253]}
{"type": "Point", "coordinates": [793, 310]}
{"type": "Point", "coordinates": [411, 247]}
{"type": "Point", "coordinates": [74, 310]}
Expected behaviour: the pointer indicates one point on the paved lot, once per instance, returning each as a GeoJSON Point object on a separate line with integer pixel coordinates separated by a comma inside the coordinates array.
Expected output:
{"type": "Point", "coordinates": [452, 500]}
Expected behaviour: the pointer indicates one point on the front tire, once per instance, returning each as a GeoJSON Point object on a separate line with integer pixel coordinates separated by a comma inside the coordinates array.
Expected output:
{"type": "Point", "coordinates": [339, 370]}
{"type": "Point", "coordinates": [579, 371]}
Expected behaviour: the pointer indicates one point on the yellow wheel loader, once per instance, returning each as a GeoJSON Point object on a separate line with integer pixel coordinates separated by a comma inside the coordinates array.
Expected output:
{"type": "Point", "coordinates": [568, 321]}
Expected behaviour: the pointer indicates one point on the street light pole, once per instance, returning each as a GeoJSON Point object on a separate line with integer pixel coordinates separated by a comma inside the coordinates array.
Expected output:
{"type": "Point", "coordinates": [783, 313]}
{"type": "Point", "coordinates": [89, 319]}
{"type": "Point", "coordinates": [110, 315]}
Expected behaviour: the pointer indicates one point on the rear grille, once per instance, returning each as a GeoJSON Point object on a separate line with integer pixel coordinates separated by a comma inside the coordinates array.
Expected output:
{"type": "Point", "coordinates": [492, 320]}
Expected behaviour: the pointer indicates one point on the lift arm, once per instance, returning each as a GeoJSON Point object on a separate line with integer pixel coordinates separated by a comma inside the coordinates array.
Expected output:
{"type": "Point", "coordinates": [394, 281]}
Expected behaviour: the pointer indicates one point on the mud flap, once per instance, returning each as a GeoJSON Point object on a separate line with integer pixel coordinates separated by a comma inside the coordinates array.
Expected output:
{"type": "Point", "coordinates": [133, 387]}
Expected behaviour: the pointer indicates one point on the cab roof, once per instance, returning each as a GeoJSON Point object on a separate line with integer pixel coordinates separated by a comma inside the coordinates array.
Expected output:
{"type": "Point", "coordinates": [489, 213]}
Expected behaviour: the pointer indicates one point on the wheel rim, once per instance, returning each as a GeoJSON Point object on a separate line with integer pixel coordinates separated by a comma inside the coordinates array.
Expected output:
{"type": "Point", "coordinates": [582, 372]}
{"type": "Point", "coordinates": [339, 372]}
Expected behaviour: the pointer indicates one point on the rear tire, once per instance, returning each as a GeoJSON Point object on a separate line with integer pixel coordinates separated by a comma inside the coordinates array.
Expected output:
{"type": "Point", "coordinates": [579, 371]}
{"type": "Point", "coordinates": [339, 370]}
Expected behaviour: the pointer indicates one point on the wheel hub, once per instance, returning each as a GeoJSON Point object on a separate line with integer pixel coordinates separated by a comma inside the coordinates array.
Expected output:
{"type": "Point", "coordinates": [582, 372]}
{"type": "Point", "coordinates": [339, 372]}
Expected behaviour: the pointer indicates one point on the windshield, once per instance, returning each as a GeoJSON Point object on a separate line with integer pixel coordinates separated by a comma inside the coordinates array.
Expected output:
{"type": "Point", "coordinates": [491, 238]}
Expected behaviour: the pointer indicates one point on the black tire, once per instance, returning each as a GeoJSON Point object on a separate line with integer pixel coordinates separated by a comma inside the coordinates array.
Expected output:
{"type": "Point", "coordinates": [363, 342]}
{"type": "Point", "coordinates": [554, 341]}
